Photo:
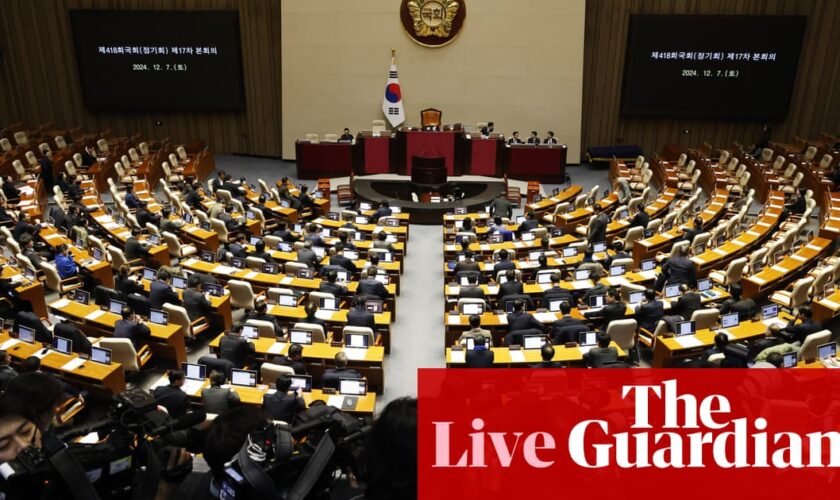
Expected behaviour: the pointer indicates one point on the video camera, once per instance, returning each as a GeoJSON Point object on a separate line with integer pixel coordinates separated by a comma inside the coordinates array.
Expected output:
{"type": "Point", "coordinates": [125, 461]}
{"type": "Point", "coordinates": [285, 463]}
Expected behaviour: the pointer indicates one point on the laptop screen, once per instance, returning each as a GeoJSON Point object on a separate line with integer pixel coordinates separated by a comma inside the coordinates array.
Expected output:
{"type": "Point", "coordinates": [383, 278]}
{"type": "Point", "coordinates": [361, 219]}
{"type": "Point", "coordinates": [824, 351]}
{"type": "Point", "coordinates": [287, 300]}
{"type": "Point", "coordinates": [597, 300]}
{"type": "Point", "coordinates": [685, 328]}
{"type": "Point", "coordinates": [284, 247]}
{"type": "Point", "coordinates": [570, 251]}
{"type": "Point", "coordinates": [365, 206]}
{"type": "Point", "coordinates": [636, 297]}
{"type": "Point", "coordinates": [588, 338]}
{"type": "Point", "coordinates": [179, 282]}
{"type": "Point", "coordinates": [352, 386]}
{"type": "Point", "coordinates": [599, 247]}
{"type": "Point", "coordinates": [303, 337]}
{"type": "Point", "coordinates": [214, 289]}
{"type": "Point", "coordinates": [648, 265]}
{"type": "Point", "coordinates": [194, 371]}
{"type": "Point", "coordinates": [63, 345]}
{"type": "Point", "coordinates": [244, 378]}
{"type": "Point", "coordinates": [700, 248]}
{"type": "Point", "coordinates": [154, 240]}
{"type": "Point", "coordinates": [616, 270]}
{"type": "Point", "coordinates": [301, 382]}
{"type": "Point", "coordinates": [351, 254]}
{"type": "Point", "coordinates": [535, 254]}
{"type": "Point", "coordinates": [98, 255]}
{"type": "Point", "coordinates": [342, 276]}
{"type": "Point", "coordinates": [158, 317]}
{"type": "Point", "coordinates": [356, 340]}
{"type": "Point", "coordinates": [270, 268]}
{"type": "Point", "coordinates": [533, 341]}
{"type": "Point", "coordinates": [329, 303]}
{"type": "Point", "coordinates": [81, 296]}
{"type": "Point", "coordinates": [672, 291]}
{"type": "Point", "coordinates": [116, 306]}
{"type": "Point", "coordinates": [554, 305]}
{"type": "Point", "coordinates": [26, 334]}
{"type": "Point", "coordinates": [100, 355]}
{"type": "Point", "coordinates": [374, 306]}
{"type": "Point", "coordinates": [306, 273]}
{"type": "Point", "coordinates": [581, 275]}
{"type": "Point", "coordinates": [770, 311]}
{"type": "Point", "coordinates": [207, 256]}
{"type": "Point", "coordinates": [789, 360]}
{"type": "Point", "coordinates": [149, 274]}
{"type": "Point", "coordinates": [729, 320]}
{"type": "Point", "coordinates": [544, 278]}
{"type": "Point", "coordinates": [704, 284]}
{"type": "Point", "coordinates": [238, 262]}
{"type": "Point", "coordinates": [472, 308]}
{"type": "Point", "coordinates": [319, 251]}
{"type": "Point", "coordinates": [529, 237]}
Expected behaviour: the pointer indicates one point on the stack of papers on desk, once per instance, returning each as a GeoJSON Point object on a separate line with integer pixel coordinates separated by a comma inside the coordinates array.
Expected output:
{"type": "Point", "coordinates": [517, 357]}
{"type": "Point", "coordinates": [453, 319]}
{"type": "Point", "coordinates": [335, 401]}
{"type": "Point", "coordinates": [72, 364]}
{"type": "Point", "coordinates": [223, 269]}
{"type": "Point", "coordinates": [457, 356]}
{"type": "Point", "coordinates": [60, 304]}
{"type": "Point", "coordinates": [545, 317]}
{"type": "Point", "coordinates": [688, 341]}
{"type": "Point", "coordinates": [94, 315]}
{"type": "Point", "coordinates": [191, 387]}
{"type": "Point", "coordinates": [648, 275]}
{"type": "Point", "coordinates": [5, 346]}
{"type": "Point", "coordinates": [355, 354]}
{"type": "Point", "coordinates": [277, 348]}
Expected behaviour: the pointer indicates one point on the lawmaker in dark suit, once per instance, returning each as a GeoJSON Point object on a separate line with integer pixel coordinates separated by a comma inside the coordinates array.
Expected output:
{"type": "Point", "coordinates": [615, 309]}
{"type": "Point", "coordinates": [504, 263]}
{"type": "Point", "coordinates": [650, 311]}
{"type": "Point", "coordinates": [332, 376]}
{"type": "Point", "coordinates": [598, 227]}
{"type": "Point", "coordinates": [370, 287]}
{"type": "Point", "coordinates": [641, 219]}
{"type": "Point", "coordinates": [340, 260]}
{"type": "Point", "coordinates": [134, 249]}
{"type": "Point", "coordinates": [693, 231]}
{"type": "Point", "coordinates": [308, 256]}
{"type": "Point", "coordinates": [281, 405]}
{"type": "Point", "coordinates": [514, 139]}
{"type": "Point", "coordinates": [195, 302]}
{"type": "Point", "coordinates": [688, 302]}
{"type": "Point", "coordinates": [468, 264]}
{"type": "Point", "coordinates": [472, 290]}
{"type": "Point", "coordinates": [618, 253]}
{"type": "Point", "coordinates": [521, 320]}
{"type": "Point", "coordinates": [565, 324]}
{"type": "Point", "coordinates": [534, 139]}
{"type": "Point", "coordinates": [283, 233]}
{"type": "Point", "coordinates": [510, 287]}
{"type": "Point", "coordinates": [235, 349]}
{"type": "Point", "coordinates": [260, 313]}
{"type": "Point", "coordinates": [70, 331]}
{"type": "Point", "coordinates": [485, 131]}
{"type": "Point", "coordinates": [130, 328]}
{"type": "Point", "coordinates": [746, 308]}
{"type": "Point", "coordinates": [528, 224]}
{"type": "Point", "coordinates": [384, 210]}
{"type": "Point", "coordinates": [294, 359]}
{"type": "Point", "coordinates": [330, 286]}
{"type": "Point", "coordinates": [547, 354]}
{"type": "Point", "coordinates": [237, 248]}
{"type": "Point", "coordinates": [171, 396]}
{"type": "Point", "coordinates": [160, 293]}
{"type": "Point", "coordinates": [601, 355]}
{"type": "Point", "coordinates": [550, 139]}
{"type": "Point", "coordinates": [480, 356]}
{"type": "Point", "coordinates": [358, 316]}
{"type": "Point", "coordinates": [501, 207]}
{"type": "Point", "coordinates": [797, 332]}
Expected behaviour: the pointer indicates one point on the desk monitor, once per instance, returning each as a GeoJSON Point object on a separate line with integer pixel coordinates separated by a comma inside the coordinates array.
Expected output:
{"type": "Point", "coordinates": [327, 232]}
{"type": "Point", "coordinates": [699, 248]}
{"type": "Point", "coordinates": [319, 252]}
{"type": "Point", "coordinates": [533, 341]}
{"type": "Point", "coordinates": [392, 222]}
{"type": "Point", "coordinates": [62, 345]}
{"type": "Point", "coordinates": [383, 278]}
{"type": "Point", "coordinates": [351, 254]}
{"type": "Point", "coordinates": [179, 282]}
{"type": "Point", "coordinates": [825, 351]}
{"type": "Point", "coordinates": [570, 252]}
{"type": "Point", "coordinates": [154, 240]}
{"type": "Point", "coordinates": [556, 233]}
{"type": "Point", "coordinates": [704, 284]}
{"type": "Point", "coordinates": [243, 378]}
{"type": "Point", "coordinates": [769, 311]}
{"type": "Point", "coordinates": [730, 320]}
{"type": "Point", "coordinates": [616, 270]}
{"type": "Point", "coordinates": [302, 337]}
{"type": "Point", "coordinates": [80, 243]}
{"type": "Point", "coordinates": [391, 238]}
{"type": "Point", "coordinates": [100, 355]}
{"type": "Point", "coordinates": [329, 303]}
{"type": "Point", "coordinates": [470, 308]}
{"type": "Point", "coordinates": [502, 279]}
{"type": "Point", "coordinates": [623, 214]}
{"type": "Point", "coordinates": [520, 219]}
{"type": "Point", "coordinates": [342, 276]}
{"type": "Point", "coordinates": [120, 221]}
{"type": "Point", "coordinates": [214, 289]}
{"type": "Point", "coordinates": [361, 219]}
{"type": "Point", "coordinates": [158, 317]}
{"type": "Point", "coordinates": [667, 226]}
{"type": "Point", "coordinates": [238, 262]}
{"type": "Point", "coordinates": [98, 255]}
{"type": "Point", "coordinates": [305, 273]}
{"type": "Point", "coordinates": [778, 256]}
{"type": "Point", "coordinates": [207, 256]}
{"type": "Point", "coordinates": [188, 218]}
{"type": "Point", "coordinates": [365, 206]}
{"type": "Point", "coordinates": [116, 306]}
{"type": "Point", "coordinates": [509, 305]}
{"type": "Point", "coordinates": [270, 268]}
{"type": "Point", "coordinates": [29, 274]}
{"type": "Point", "coordinates": [297, 228]}
{"type": "Point", "coordinates": [287, 300]}
{"type": "Point", "coordinates": [529, 236]}
{"type": "Point", "coordinates": [636, 297]}
{"type": "Point", "coordinates": [648, 233]}
{"type": "Point", "coordinates": [597, 301]}
{"type": "Point", "coordinates": [26, 334]}
{"type": "Point", "coordinates": [302, 383]}
{"type": "Point", "coordinates": [757, 267]}
{"type": "Point", "coordinates": [359, 236]}
{"type": "Point", "coordinates": [284, 247]}
{"type": "Point", "coordinates": [360, 340]}
{"type": "Point", "coordinates": [149, 274]}
{"type": "Point", "coordinates": [649, 265]}
{"type": "Point", "coordinates": [396, 210]}
{"type": "Point", "coordinates": [555, 191]}
{"type": "Point", "coordinates": [250, 332]}
{"type": "Point", "coordinates": [599, 247]}
{"type": "Point", "coordinates": [206, 226]}
{"type": "Point", "coordinates": [374, 306]}
{"type": "Point", "coordinates": [588, 338]}
{"type": "Point", "coordinates": [537, 198]}
{"type": "Point", "coordinates": [496, 238]}
{"type": "Point", "coordinates": [672, 291]}
{"type": "Point", "coordinates": [253, 240]}
{"type": "Point", "coordinates": [544, 278]}
{"type": "Point", "coordinates": [285, 204]}
{"type": "Point", "coordinates": [250, 215]}
{"type": "Point", "coordinates": [534, 255]}
{"type": "Point", "coordinates": [81, 296]}
{"type": "Point", "coordinates": [582, 274]}
{"type": "Point", "coordinates": [464, 280]}
{"type": "Point", "coordinates": [685, 328]}
{"type": "Point", "coordinates": [789, 360]}
{"type": "Point", "coordinates": [721, 240]}
{"type": "Point", "coordinates": [352, 386]}
{"type": "Point", "coordinates": [460, 211]}
{"type": "Point", "coordinates": [554, 305]}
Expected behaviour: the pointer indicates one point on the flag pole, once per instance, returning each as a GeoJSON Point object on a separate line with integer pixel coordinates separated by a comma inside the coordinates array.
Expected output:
{"type": "Point", "coordinates": [393, 55]}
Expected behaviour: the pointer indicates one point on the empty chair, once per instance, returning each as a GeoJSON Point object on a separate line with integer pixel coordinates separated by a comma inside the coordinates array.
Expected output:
{"type": "Point", "coordinates": [5, 145]}
{"type": "Point", "coordinates": [825, 162]}
{"type": "Point", "coordinates": [269, 372]}
{"type": "Point", "coordinates": [123, 352]}
{"type": "Point", "coordinates": [700, 241]}
{"type": "Point", "coordinates": [176, 249]}
{"type": "Point", "coordinates": [779, 163]}
{"type": "Point", "coordinates": [220, 228]}
{"type": "Point", "coordinates": [377, 126]}
{"type": "Point", "coordinates": [330, 137]}
{"type": "Point", "coordinates": [254, 263]}
{"type": "Point", "coordinates": [118, 260]}
{"type": "Point", "coordinates": [102, 146]}
{"type": "Point", "coordinates": [689, 185]}
{"type": "Point", "coordinates": [628, 288]}
{"type": "Point", "coordinates": [313, 138]}
{"type": "Point", "coordinates": [810, 345]}
{"type": "Point", "coordinates": [144, 148]}
{"type": "Point", "coordinates": [623, 333]}
{"type": "Point", "coordinates": [724, 157]}
{"type": "Point", "coordinates": [360, 330]}
{"type": "Point", "coordinates": [183, 157]}
{"type": "Point", "coordinates": [796, 296]}
{"type": "Point", "coordinates": [31, 160]}
{"type": "Point", "coordinates": [654, 225]}
{"type": "Point", "coordinates": [21, 139]}
{"type": "Point", "coordinates": [689, 169]}
{"type": "Point", "coordinates": [732, 165]}
{"type": "Point", "coordinates": [810, 153]}
{"type": "Point", "coordinates": [20, 170]}
{"type": "Point", "coordinates": [705, 318]}
{"type": "Point", "coordinates": [733, 273]}
{"type": "Point", "coordinates": [264, 328]}
{"type": "Point", "coordinates": [60, 142]}
{"type": "Point", "coordinates": [742, 184]}
{"type": "Point", "coordinates": [273, 294]}
{"type": "Point", "coordinates": [168, 175]}
{"type": "Point", "coordinates": [766, 155]}
{"type": "Point", "coordinates": [241, 294]}
{"type": "Point", "coordinates": [318, 334]}
{"type": "Point", "coordinates": [794, 185]}
{"type": "Point", "coordinates": [293, 267]}
{"type": "Point", "coordinates": [178, 316]}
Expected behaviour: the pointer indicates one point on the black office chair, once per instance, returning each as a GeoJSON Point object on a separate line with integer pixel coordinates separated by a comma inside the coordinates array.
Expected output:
{"type": "Point", "coordinates": [567, 334]}
{"type": "Point", "coordinates": [515, 337]}
{"type": "Point", "coordinates": [140, 304]}
{"type": "Point", "coordinates": [214, 363]}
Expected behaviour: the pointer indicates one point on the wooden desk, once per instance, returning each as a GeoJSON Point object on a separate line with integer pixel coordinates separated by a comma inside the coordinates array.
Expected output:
{"type": "Point", "coordinates": [336, 318]}
{"type": "Point", "coordinates": [531, 162]}
{"type": "Point", "coordinates": [101, 271]}
{"type": "Point", "coordinates": [32, 291]}
{"type": "Point", "coordinates": [502, 357]}
{"type": "Point", "coordinates": [548, 204]}
{"type": "Point", "coordinates": [221, 305]}
{"type": "Point", "coordinates": [571, 220]}
{"type": "Point", "coordinates": [667, 351]}
{"type": "Point", "coordinates": [325, 159]}
{"type": "Point", "coordinates": [791, 267]}
{"type": "Point", "coordinates": [119, 234]}
{"type": "Point", "coordinates": [167, 341]}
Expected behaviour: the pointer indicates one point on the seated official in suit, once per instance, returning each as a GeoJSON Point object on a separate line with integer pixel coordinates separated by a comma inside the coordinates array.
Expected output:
{"type": "Point", "coordinates": [260, 253]}
{"type": "Point", "coordinates": [688, 302]}
{"type": "Point", "coordinates": [283, 233]}
{"type": "Point", "coordinates": [472, 290]}
{"type": "Point", "coordinates": [161, 293]}
{"type": "Point", "coordinates": [359, 316]}
{"type": "Point", "coordinates": [746, 308]}
{"type": "Point", "coordinates": [488, 129]}
{"type": "Point", "coordinates": [480, 356]}
{"type": "Point", "coordinates": [195, 302]}
{"type": "Point", "coordinates": [550, 139]}
{"type": "Point", "coordinates": [504, 263]}
{"type": "Point", "coordinates": [475, 330]}
{"type": "Point", "coordinates": [195, 196]}
{"type": "Point", "coordinates": [521, 320]}
{"type": "Point", "coordinates": [332, 376]}
{"type": "Point", "coordinates": [641, 219]}
{"type": "Point", "coordinates": [510, 287]}
{"type": "Point", "coordinates": [294, 359]}
{"type": "Point", "coordinates": [127, 284]}
{"type": "Point", "coordinates": [260, 313]}
{"type": "Point", "coordinates": [547, 354]}
{"type": "Point", "coordinates": [728, 361]}
{"type": "Point", "coordinates": [468, 264]}
{"type": "Point", "coordinates": [534, 139]}
{"type": "Point", "coordinates": [346, 136]}
{"type": "Point", "coordinates": [618, 253]}
{"type": "Point", "coordinates": [129, 327]}
{"type": "Point", "coordinates": [171, 396]}
{"type": "Point", "coordinates": [381, 241]}
{"type": "Point", "coordinates": [384, 210]}
{"type": "Point", "coordinates": [237, 248]}
{"type": "Point", "coordinates": [615, 309]}
{"type": "Point", "coordinates": [311, 309]}
{"type": "Point", "coordinates": [329, 285]}
{"type": "Point", "coordinates": [218, 399]}
{"type": "Point", "coordinates": [800, 326]}
{"type": "Point", "coordinates": [528, 224]}
{"type": "Point", "coordinates": [697, 228]}
{"type": "Point", "coordinates": [514, 139]}
{"type": "Point", "coordinates": [650, 311]}
{"type": "Point", "coordinates": [307, 256]}
{"type": "Point", "coordinates": [369, 287]}
{"type": "Point", "coordinates": [558, 293]}
{"type": "Point", "coordinates": [69, 330]}
{"type": "Point", "coordinates": [234, 348]}
{"type": "Point", "coordinates": [601, 355]}
{"type": "Point", "coordinates": [282, 405]}
{"type": "Point", "coordinates": [566, 328]}
{"type": "Point", "coordinates": [340, 260]}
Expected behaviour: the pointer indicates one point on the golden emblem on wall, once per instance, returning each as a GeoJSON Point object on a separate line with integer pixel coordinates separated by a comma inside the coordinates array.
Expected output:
{"type": "Point", "coordinates": [433, 23]}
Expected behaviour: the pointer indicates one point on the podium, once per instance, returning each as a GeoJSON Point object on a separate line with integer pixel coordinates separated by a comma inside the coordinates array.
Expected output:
{"type": "Point", "coordinates": [428, 170]}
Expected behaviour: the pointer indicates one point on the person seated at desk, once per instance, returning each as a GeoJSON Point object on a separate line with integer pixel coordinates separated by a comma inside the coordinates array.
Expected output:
{"type": "Point", "coordinates": [131, 200]}
{"type": "Point", "coordinates": [488, 129]}
{"type": "Point", "coordinates": [721, 341]}
{"type": "Point", "coordinates": [384, 210]}
{"type": "Point", "coordinates": [697, 228]}
{"type": "Point", "coordinates": [23, 226]}
{"type": "Point", "coordinates": [650, 311]}
{"type": "Point", "coordinates": [504, 264]}
{"type": "Point", "coordinates": [285, 193]}
{"type": "Point", "coordinates": [161, 293]}
{"type": "Point", "coordinates": [557, 293]}
{"type": "Point", "coordinates": [304, 199]}
{"type": "Point", "coordinates": [234, 348]}
{"type": "Point", "coordinates": [834, 177]}
{"type": "Point", "coordinates": [145, 216]}
{"type": "Point", "coordinates": [746, 308]}
{"type": "Point", "coordinates": [615, 309]}
{"type": "Point", "coordinates": [521, 320]}
{"type": "Point", "coordinates": [773, 360]}
{"type": "Point", "coordinates": [588, 263]}
{"type": "Point", "coordinates": [294, 359]}
{"type": "Point", "coordinates": [475, 330]}
{"type": "Point", "coordinates": [171, 396]}
{"type": "Point", "coordinates": [344, 240]}
{"type": "Point", "coordinates": [511, 286]}
{"type": "Point", "coordinates": [218, 399]}
{"type": "Point", "coordinates": [167, 224]}
{"type": "Point", "coordinates": [195, 196]}
{"type": "Point", "coordinates": [499, 228]}
{"type": "Point", "coordinates": [67, 184]}
{"type": "Point", "coordinates": [547, 355]}
{"type": "Point", "coordinates": [233, 188]}
{"type": "Point", "coordinates": [515, 138]}
{"type": "Point", "coordinates": [550, 139]}
{"type": "Point", "coordinates": [282, 232]}
{"type": "Point", "coordinates": [468, 264]}
{"type": "Point", "coordinates": [260, 313]}
{"type": "Point", "coordinates": [134, 248]}
{"type": "Point", "coordinates": [237, 247]}
{"type": "Point", "coordinates": [797, 332]}
{"type": "Point", "coordinates": [69, 330]}
{"type": "Point", "coordinates": [472, 290]}
{"type": "Point", "coordinates": [641, 219]}
{"type": "Point", "coordinates": [28, 249]}
{"type": "Point", "coordinates": [534, 139]}
{"type": "Point", "coordinates": [501, 207]}
{"type": "Point", "coordinates": [370, 287]}
{"type": "Point", "coordinates": [346, 136]}
{"type": "Point", "coordinates": [129, 327]}
{"type": "Point", "coordinates": [602, 355]}
{"type": "Point", "coordinates": [330, 286]}
{"type": "Point", "coordinates": [281, 405]}
{"type": "Point", "coordinates": [359, 316]}
{"type": "Point", "coordinates": [307, 256]}
{"type": "Point", "coordinates": [64, 263]}
{"type": "Point", "coordinates": [598, 227]}
{"type": "Point", "coordinates": [233, 225]}
{"type": "Point", "coordinates": [688, 302]}
{"type": "Point", "coordinates": [338, 259]}
{"type": "Point", "coordinates": [260, 253]}
{"type": "Point", "coordinates": [332, 376]}
{"type": "Point", "coordinates": [598, 289]}
{"type": "Point", "coordinates": [528, 224]}
{"type": "Point", "coordinates": [381, 241]}
{"type": "Point", "coordinates": [311, 308]}
{"type": "Point", "coordinates": [480, 356]}
{"type": "Point", "coordinates": [195, 301]}
{"type": "Point", "coordinates": [88, 155]}
{"type": "Point", "coordinates": [566, 328]}
{"type": "Point", "coordinates": [7, 373]}
{"type": "Point", "coordinates": [11, 193]}
{"type": "Point", "coordinates": [618, 253]}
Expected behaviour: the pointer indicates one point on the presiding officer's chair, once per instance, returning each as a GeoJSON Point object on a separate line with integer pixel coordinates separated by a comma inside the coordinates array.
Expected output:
{"type": "Point", "coordinates": [430, 119]}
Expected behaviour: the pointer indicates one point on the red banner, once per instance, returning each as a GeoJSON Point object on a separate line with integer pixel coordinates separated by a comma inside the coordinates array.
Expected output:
{"type": "Point", "coordinates": [514, 433]}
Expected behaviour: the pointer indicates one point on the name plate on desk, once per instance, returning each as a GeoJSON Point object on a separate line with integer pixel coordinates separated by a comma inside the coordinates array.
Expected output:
{"type": "Point", "coordinates": [517, 356]}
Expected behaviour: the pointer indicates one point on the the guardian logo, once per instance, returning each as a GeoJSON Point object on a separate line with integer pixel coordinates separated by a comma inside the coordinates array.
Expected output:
{"type": "Point", "coordinates": [728, 442]}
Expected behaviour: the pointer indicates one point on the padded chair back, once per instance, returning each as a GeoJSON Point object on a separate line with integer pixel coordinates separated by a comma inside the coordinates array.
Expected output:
{"type": "Point", "coordinates": [623, 333]}
{"type": "Point", "coordinates": [811, 343]}
{"type": "Point", "coordinates": [430, 117]}
{"type": "Point", "coordinates": [178, 316]}
{"type": "Point", "coordinates": [140, 303]}
{"type": "Point", "coordinates": [269, 372]}
{"type": "Point", "coordinates": [810, 153]}
{"type": "Point", "coordinates": [318, 334]}
{"type": "Point", "coordinates": [266, 329]}
{"type": "Point", "coordinates": [633, 234]}
{"type": "Point", "coordinates": [705, 318]}
{"type": "Point", "coordinates": [241, 294]}
{"type": "Point", "coordinates": [217, 364]}
{"type": "Point", "coordinates": [363, 330]}
{"type": "Point", "coordinates": [799, 294]}
{"type": "Point", "coordinates": [122, 352]}
{"type": "Point", "coordinates": [735, 270]}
